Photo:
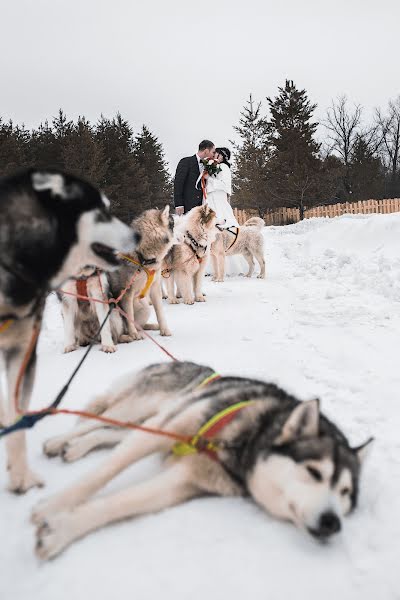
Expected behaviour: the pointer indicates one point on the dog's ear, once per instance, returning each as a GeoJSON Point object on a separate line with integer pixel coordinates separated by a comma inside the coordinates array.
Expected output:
{"type": "Point", "coordinates": [303, 422]}
{"type": "Point", "coordinates": [55, 184]}
{"type": "Point", "coordinates": [363, 450]}
{"type": "Point", "coordinates": [165, 215]}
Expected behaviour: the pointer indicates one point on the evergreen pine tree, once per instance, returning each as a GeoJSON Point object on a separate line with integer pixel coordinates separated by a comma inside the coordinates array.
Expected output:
{"type": "Point", "coordinates": [252, 153]}
{"type": "Point", "coordinates": [82, 152]}
{"type": "Point", "coordinates": [149, 154]}
{"type": "Point", "coordinates": [294, 166]}
{"type": "Point", "coordinates": [125, 181]}
{"type": "Point", "coordinates": [14, 147]}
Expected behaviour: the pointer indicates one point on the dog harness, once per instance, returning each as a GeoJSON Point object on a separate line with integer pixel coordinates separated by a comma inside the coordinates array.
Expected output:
{"type": "Point", "coordinates": [192, 242]}
{"type": "Point", "coordinates": [202, 440]}
{"type": "Point", "coordinates": [150, 273]}
{"type": "Point", "coordinates": [234, 233]}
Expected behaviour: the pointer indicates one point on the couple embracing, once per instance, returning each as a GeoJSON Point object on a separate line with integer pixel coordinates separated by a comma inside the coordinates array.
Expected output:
{"type": "Point", "coordinates": [206, 177]}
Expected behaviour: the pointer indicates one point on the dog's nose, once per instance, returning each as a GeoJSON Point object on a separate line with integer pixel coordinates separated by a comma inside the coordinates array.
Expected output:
{"type": "Point", "coordinates": [329, 523]}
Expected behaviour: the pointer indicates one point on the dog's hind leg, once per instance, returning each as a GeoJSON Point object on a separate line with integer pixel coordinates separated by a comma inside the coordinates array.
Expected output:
{"type": "Point", "coordinates": [184, 285]}
{"type": "Point", "coordinates": [102, 437]}
{"type": "Point", "coordinates": [172, 299]}
{"type": "Point", "coordinates": [21, 477]}
{"type": "Point", "coordinates": [69, 309]}
{"type": "Point", "coordinates": [249, 258]}
{"type": "Point", "coordinates": [170, 487]}
{"type": "Point", "coordinates": [55, 445]}
{"type": "Point", "coordinates": [261, 261]}
{"type": "Point", "coordinates": [135, 446]}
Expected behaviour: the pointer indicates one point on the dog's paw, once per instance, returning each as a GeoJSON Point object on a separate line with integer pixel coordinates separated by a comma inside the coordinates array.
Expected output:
{"type": "Point", "coordinates": [125, 339]}
{"type": "Point", "coordinates": [22, 481]}
{"type": "Point", "coordinates": [73, 450]}
{"type": "Point", "coordinates": [200, 298]}
{"type": "Point", "coordinates": [151, 326]}
{"type": "Point", "coordinates": [189, 301]}
{"type": "Point", "coordinates": [108, 348]}
{"type": "Point", "coordinates": [53, 535]}
{"type": "Point", "coordinates": [173, 301]}
{"type": "Point", "coordinates": [165, 331]}
{"type": "Point", "coordinates": [70, 348]}
{"type": "Point", "coordinates": [54, 446]}
{"type": "Point", "coordinates": [260, 276]}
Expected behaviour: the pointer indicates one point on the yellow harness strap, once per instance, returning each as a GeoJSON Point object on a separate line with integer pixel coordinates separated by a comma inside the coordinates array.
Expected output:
{"type": "Point", "coordinates": [150, 273]}
{"type": "Point", "coordinates": [199, 441]}
{"type": "Point", "coordinates": [4, 326]}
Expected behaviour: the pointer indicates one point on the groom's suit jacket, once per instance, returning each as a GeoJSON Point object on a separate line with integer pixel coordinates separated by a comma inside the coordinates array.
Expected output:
{"type": "Point", "coordinates": [185, 192]}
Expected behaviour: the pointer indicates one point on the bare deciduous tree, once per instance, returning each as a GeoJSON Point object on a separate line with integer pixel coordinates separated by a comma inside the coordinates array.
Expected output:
{"type": "Point", "coordinates": [343, 125]}
{"type": "Point", "coordinates": [389, 127]}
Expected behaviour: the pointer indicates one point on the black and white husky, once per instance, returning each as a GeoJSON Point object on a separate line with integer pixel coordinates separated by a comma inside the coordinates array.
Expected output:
{"type": "Point", "coordinates": [277, 450]}
{"type": "Point", "coordinates": [51, 225]}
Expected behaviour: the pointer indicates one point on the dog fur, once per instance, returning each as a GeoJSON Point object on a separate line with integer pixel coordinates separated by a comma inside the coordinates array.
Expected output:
{"type": "Point", "coordinates": [249, 243]}
{"type": "Point", "coordinates": [156, 228]}
{"type": "Point", "coordinates": [280, 452]}
{"type": "Point", "coordinates": [51, 226]}
{"type": "Point", "coordinates": [185, 263]}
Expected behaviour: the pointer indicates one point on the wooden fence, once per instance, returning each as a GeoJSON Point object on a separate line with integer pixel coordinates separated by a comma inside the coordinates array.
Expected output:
{"type": "Point", "coordinates": [285, 216]}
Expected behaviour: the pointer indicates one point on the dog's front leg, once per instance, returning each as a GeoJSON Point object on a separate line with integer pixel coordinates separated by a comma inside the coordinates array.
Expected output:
{"type": "Point", "coordinates": [172, 299]}
{"type": "Point", "coordinates": [156, 298]}
{"type": "Point", "coordinates": [168, 488]}
{"type": "Point", "coordinates": [69, 308]}
{"type": "Point", "coordinates": [20, 475]}
{"type": "Point", "coordinates": [137, 445]}
{"type": "Point", "coordinates": [94, 285]}
{"type": "Point", "coordinates": [127, 306]}
{"type": "Point", "coordinates": [198, 280]}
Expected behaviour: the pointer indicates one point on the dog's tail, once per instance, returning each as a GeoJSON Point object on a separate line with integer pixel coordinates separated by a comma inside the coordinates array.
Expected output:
{"type": "Point", "coordinates": [254, 222]}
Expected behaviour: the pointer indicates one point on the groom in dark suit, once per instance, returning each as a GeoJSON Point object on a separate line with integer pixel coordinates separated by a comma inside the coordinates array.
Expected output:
{"type": "Point", "coordinates": [186, 194]}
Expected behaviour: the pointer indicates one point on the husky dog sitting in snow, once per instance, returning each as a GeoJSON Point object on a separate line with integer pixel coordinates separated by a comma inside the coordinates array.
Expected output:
{"type": "Point", "coordinates": [246, 240]}
{"type": "Point", "coordinates": [51, 226]}
{"type": "Point", "coordinates": [185, 263]}
{"type": "Point", "coordinates": [82, 319]}
{"type": "Point", "coordinates": [282, 453]}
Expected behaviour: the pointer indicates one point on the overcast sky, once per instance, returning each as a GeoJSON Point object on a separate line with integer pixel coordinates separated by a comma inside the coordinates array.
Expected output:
{"type": "Point", "coordinates": [185, 68]}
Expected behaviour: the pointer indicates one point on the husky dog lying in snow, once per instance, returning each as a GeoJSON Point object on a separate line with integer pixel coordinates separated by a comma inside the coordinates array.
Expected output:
{"type": "Point", "coordinates": [246, 240]}
{"type": "Point", "coordinates": [82, 319]}
{"type": "Point", "coordinates": [280, 452]}
{"type": "Point", "coordinates": [185, 263]}
{"type": "Point", "coordinates": [51, 226]}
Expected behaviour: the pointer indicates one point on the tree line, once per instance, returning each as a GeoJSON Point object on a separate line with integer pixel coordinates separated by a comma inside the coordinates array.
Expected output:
{"type": "Point", "coordinates": [279, 157]}
{"type": "Point", "coordinates": [130, 168]}
{"type": "Point", "coordinates": [279, 161]}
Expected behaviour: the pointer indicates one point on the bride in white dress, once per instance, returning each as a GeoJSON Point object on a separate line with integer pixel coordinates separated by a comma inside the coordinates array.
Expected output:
{"type": "Point", "coordinates": [219, 190]}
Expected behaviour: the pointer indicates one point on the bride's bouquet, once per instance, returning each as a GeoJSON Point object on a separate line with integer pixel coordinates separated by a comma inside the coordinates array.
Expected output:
{"type": "Point", "coordinates": [211, 166]}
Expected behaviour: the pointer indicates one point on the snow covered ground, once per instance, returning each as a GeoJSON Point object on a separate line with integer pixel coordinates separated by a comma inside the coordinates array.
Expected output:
{"type": "Point", "coordinates": [325, 323]}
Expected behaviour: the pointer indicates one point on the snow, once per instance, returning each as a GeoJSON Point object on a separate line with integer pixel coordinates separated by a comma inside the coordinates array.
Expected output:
{"type": "Point", "coordinates": [324, 323]}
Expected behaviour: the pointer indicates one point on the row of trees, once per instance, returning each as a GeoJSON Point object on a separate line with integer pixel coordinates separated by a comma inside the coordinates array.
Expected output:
{"type": "Point", "coordinates": [280, 162]}
{"type": "Point", "coordinates": [130, 168]}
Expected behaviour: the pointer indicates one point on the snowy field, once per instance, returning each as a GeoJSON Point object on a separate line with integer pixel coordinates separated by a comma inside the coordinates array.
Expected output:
{"type": "Point", "coordinates": [326, 323]}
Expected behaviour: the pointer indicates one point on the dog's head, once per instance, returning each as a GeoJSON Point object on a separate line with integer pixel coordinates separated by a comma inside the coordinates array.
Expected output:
{"type": "Point", "coordinates": [311, 475]}
{"type": "Point", "coordinates": [202, 222]}
{"type": "Point", "coordinates": [156, 230]}
{"type": "Point", "coordinates": [87, 234]}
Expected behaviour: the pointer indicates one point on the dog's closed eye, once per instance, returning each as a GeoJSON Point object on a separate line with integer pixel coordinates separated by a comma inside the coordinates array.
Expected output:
{"type": "Point", "coordinates": [315, 473]}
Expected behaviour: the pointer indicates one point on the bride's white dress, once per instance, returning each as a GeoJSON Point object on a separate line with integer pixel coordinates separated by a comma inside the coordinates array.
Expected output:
{"type": "Point", "coordinates": [218, 189]}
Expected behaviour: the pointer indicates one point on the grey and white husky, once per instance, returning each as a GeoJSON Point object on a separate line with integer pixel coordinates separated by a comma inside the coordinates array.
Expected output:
{"type": "Point", "coordinates": [51, 225]}
{"type": "Point", "coordinates": [279, 451]}
{"type": "Point", "coordinates": [82, 319]}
